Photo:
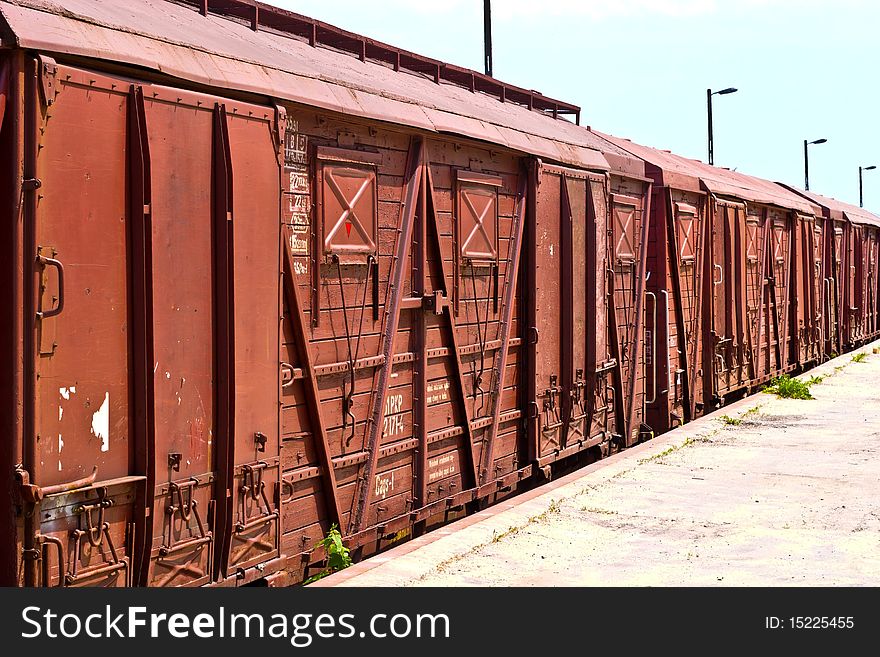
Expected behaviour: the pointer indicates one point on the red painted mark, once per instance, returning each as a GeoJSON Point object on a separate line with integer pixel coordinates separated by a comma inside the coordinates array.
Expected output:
{"type": "Point", "coordinates": [348, 228]}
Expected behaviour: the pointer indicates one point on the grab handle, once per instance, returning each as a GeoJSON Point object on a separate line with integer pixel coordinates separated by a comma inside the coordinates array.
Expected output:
{"type": "Point", "coordinates": [666, 311]}
{"type": "Point", "coordinates": [720, 278]}
{"type": "Point", "coordinates": [653, 348]}
{"type": "Point", "coordinates": [59, 306]}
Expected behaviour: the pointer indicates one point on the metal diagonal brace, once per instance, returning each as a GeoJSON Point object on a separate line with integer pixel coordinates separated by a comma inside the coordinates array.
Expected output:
{"type": "Point", "coordinates": [313, 400]}
{"type": "Point", "coordinates": [415, 170]}
{"type": "Point", "coordinates": [508, 303]}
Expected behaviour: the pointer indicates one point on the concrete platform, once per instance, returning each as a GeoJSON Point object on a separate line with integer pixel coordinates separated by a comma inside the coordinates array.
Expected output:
{"type": "Point", "coordinates": [782, 492]}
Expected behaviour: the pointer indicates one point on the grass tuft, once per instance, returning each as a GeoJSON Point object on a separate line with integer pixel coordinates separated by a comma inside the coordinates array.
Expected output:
{"type": "Point", "coordinates": [859, 357]}
{"type": "Point", "coordinates": [789, 388]}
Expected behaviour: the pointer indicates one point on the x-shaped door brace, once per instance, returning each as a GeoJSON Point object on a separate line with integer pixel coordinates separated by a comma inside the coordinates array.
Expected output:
{"type": "Point", "coordinates": [479, 218]}
{"type": "Point", "coordinates": [777, 243]}
{"type": "Point", "coordinates": [624, 215]}
{"type": "Point", "coordinates": [687, 228]}
{"type": "Point", "coordinates": [349, 216]}
{"type": "Point", "coordinates": [752, 235]}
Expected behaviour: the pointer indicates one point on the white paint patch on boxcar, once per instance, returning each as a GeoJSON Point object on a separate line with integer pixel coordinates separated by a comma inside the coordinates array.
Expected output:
{"type": "Point", "coordinates": [101, 423]}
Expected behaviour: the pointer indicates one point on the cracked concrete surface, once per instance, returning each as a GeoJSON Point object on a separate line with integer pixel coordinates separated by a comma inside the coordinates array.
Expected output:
{"type": "Point", "coordinates": [789, 496]}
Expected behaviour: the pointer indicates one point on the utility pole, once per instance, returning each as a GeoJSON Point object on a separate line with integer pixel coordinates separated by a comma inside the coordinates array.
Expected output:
{"type": "Point", "coordinates": [487, 35]}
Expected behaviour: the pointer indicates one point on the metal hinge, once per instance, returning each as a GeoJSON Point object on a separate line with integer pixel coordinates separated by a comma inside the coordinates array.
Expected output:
{"type": "Point", "coordinates": [280, 130]}
{"type": "Point", "coordinates": [30, 184]}
{"type": "Point", "coordinates": [47, 69]}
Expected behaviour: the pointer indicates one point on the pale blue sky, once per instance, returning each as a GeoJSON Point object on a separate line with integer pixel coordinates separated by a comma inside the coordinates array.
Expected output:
{"type": "Point", "coordinates": [640, 68]}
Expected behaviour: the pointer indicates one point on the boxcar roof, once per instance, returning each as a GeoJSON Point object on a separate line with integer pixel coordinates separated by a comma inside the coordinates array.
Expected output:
{"type": "Point", "coordinates": [838, 209]}
{"type": "Point", "coordinates": [719, 180]}
{"type": "Point", "coordinates": [225, 52]}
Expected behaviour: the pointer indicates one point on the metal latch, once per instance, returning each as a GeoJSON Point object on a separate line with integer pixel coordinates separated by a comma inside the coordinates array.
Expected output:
{"type": "Point", "coordinates": [435, 303]}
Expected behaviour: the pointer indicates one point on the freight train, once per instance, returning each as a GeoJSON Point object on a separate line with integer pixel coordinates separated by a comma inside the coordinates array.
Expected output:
{"type": "Point", "coordinates": [262, 277]}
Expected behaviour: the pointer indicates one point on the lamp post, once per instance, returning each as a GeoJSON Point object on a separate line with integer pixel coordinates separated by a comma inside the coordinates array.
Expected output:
{"type": "Point", "coordinates": [709, 94]}
{"type": "Point", "coordinates": [861, 196]}
{"type": "Point", "coordinates": [807, 160]}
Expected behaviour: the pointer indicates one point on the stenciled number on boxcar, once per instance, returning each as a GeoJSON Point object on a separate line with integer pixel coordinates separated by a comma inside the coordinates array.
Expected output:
{"type": "Point", "coordinates": [297, 199]}
{"type": "Point", "coordinates": [384, 484]}
{"type": "Point", "coordinates": [393, 422]}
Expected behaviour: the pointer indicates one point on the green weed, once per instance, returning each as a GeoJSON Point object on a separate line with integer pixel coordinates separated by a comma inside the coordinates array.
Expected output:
{"type": "Point", "coordinates": [338, 556]}
{"type": "Point", "coordinates": [859, 357]}
{"type": "Point", "coordinates": [788, 388]}
{"type": "Point", "coordinates": [674, 448]}
{"type": "Point", "coordinates": [733, 421]}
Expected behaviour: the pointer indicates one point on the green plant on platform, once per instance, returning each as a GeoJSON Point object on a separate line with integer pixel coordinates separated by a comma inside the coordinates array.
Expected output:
{"type": "Point", "coordinates": [338, 557]}
{"type": "Point", "coordinates": [815, 380]}
{"type": "Point", "coordinates": [788, 388]}
{"type": "Point", "coordinates": [733, 421]}
{"type": "Point", "coordinates": [859, 357]}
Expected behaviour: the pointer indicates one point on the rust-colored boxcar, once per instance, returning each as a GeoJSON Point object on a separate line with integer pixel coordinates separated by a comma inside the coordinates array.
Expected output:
{"type": "Point", "coordinates": [849, 268]}
{"type": "Point", "coordinates": [262, 276]}
{"type": "Point", "coordinates": [733, 261]}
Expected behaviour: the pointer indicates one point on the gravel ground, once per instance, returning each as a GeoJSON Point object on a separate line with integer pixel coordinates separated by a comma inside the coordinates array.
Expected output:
{"type": "Point", "coordinates": [782, 492]}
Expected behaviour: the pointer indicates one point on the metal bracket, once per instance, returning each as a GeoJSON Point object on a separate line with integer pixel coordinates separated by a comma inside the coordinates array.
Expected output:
{"type": "Point", "coordinates": [174, 459]}
{"type": "Point", "coordinates": [29, 493]}
{"type": "Point", "coordinates": [46, 72]}
{"type": "Point", "coordinates": [435, 303]}
{"type": "Point", "coordinates": [279, 131]}
{"type": "Point", "coordinates": [260, 441]}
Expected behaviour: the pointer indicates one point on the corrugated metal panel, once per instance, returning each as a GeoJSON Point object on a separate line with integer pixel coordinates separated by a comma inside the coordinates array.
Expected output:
{"type": "Point", "coordinates": [214, 51]}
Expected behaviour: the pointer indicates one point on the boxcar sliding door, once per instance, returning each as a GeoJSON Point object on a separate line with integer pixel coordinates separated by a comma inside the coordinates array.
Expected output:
{"type": "Point", "coordinates": [725, 273]}
{"type": "Point", "coordinates": [212, 240]}
{"type": "Point", "coordinates": [85, 453]}
{"type": "Point", "coordinates": [156, 362]}
{"type": "Point", "coordinates": [573, 402]}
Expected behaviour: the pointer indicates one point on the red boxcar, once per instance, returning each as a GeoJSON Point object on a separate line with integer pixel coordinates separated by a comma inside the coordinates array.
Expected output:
{"type": "Point", "coordinates": [733, 261]}
{"type": "Point", "coordinates": [263, 277]}
{"type": "Point", "coordinates": [850, 274]}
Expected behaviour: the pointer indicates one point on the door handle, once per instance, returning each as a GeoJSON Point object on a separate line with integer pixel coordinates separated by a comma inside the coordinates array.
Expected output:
{"type": "Point", "coordinates": [59, 306]}
{"type": "Point", "coordinates": [721, 277]}
{"type": "Point", "coordinates": [288, 375]}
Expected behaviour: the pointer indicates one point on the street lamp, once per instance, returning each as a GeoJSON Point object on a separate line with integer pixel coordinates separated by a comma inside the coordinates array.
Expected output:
{"type": "Point", "coordinates": [861, 197]}
{"type": "Point", "coordinates": [709, 94]}
{"type": "Point", "coordinates": [807, 161]}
